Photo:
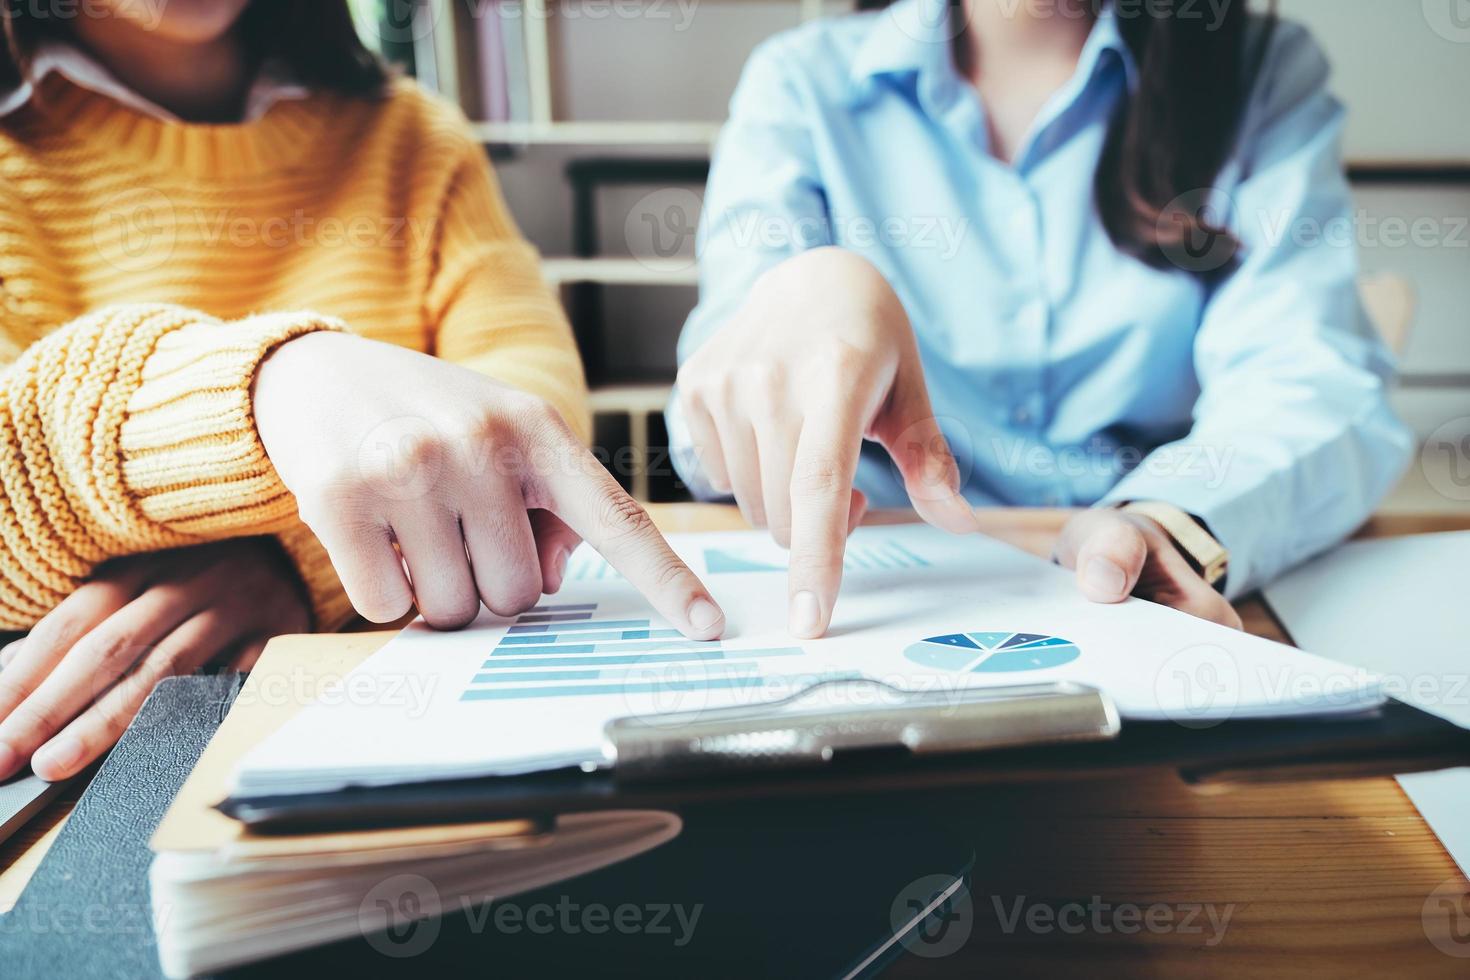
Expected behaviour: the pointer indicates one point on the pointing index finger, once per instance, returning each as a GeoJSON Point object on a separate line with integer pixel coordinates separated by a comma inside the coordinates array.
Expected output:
{"type": "Point", "coordinates": [821, 503]}
{"type": "Point", "coordinates": [590, 501]}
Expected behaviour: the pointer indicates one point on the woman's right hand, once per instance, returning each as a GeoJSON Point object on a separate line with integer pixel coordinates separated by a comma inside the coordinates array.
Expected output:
{"type": "Point", "coordinates": [482, 489]}
{"type": "Point", "coordinates": [779, 401]}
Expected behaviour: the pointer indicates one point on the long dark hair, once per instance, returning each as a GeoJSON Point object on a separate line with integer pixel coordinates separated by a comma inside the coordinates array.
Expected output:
{"type": "Point", "coordinates": [314, 39]}
{"type": "Point", "coordinates": [1168, 141]}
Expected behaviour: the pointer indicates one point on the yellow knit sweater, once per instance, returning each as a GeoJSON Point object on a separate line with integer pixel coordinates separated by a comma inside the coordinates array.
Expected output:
{"type": "Point", "coordinates": [146, 268]}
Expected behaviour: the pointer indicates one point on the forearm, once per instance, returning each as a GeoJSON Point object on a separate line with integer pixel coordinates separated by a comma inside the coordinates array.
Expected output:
{"type": "Point", "coordinates": [131, 430]}
{"type": "Point", "coordinates": [1279, 482]}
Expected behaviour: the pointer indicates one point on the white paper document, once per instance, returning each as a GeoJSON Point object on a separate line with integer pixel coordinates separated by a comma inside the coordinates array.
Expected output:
{"type": "Point", "coordinates": [919, 610]}
{"type": "Point", "coordinates": [1395, 607]}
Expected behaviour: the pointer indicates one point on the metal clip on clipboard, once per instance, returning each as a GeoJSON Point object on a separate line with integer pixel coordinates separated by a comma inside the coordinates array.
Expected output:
{"type": "Point", "coordinates": [847, 715]}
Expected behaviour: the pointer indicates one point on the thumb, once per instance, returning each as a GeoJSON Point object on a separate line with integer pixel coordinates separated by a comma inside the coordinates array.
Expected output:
{"type": "Point", "coordinates": [1106, 551]}
{"type": "Point", "coordinates": [907, 428]}
{"type": "Point", "coordinates": [555, 542]}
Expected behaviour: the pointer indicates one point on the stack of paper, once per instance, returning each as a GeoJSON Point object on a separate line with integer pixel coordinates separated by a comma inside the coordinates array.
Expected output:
{"type": "Point", "coordinates": [223, 897]}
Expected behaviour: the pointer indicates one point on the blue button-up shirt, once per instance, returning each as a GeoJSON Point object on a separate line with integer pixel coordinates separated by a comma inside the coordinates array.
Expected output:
{"type": "Point", "coordinates": [1062, 371]}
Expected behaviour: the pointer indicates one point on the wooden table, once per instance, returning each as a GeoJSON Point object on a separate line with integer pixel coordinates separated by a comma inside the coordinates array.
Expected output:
{"type": "Point", "coordinates": [1335, 877]}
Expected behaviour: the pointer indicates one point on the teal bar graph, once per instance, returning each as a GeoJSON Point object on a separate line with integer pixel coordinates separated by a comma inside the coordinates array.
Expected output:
{"type": "Point", "coordinates": [616, 673]}
{"type": "Point", "coordinates": [611, 660]}
{"type": "Point", "coordinates": [608, 660]}
{"type": "Point", "coordinates": [563, 652]}
{"type": "Point", "coordinates": [527, 625]}
{"type": "Point", "coordinates": [554, 617]}
{"type": "Point", "coordinates": [642, 646]}
{"type": "Point", "coordinates": [542, 639]}
{"type": "Point", "coordinates": [884, 555]}
{"type": "Point", "coordinates": [563, 690]}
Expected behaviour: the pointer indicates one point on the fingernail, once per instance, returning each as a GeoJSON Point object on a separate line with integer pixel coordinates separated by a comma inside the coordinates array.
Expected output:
{"type": "Point", "coordinates": [703, 614]}
{"type": "Point", "coordinates": [58, 757]}
{"type": "Point", "coordinates": [805, 618]}
{"type": "Point", "coordinates": [9, 760]}
{"type": "Point", "coordinates": [961, 517]}
{"type": "Point", "coordinates": [559, 565]}
{"type": "Point", "coordinates": [1104, 578]}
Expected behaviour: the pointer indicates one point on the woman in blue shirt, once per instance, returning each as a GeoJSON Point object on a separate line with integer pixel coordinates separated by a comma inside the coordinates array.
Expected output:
{"type": "Point", "coordinates": [1039, 252]}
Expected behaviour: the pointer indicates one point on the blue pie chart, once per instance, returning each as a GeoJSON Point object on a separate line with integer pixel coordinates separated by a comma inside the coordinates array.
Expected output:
{"type": "Point", "coordinates": [992, 653]}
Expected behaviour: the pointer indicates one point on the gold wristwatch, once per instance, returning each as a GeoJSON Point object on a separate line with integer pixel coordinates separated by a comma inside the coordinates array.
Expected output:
{"type": "Point", "coordinates": [1197, 545]}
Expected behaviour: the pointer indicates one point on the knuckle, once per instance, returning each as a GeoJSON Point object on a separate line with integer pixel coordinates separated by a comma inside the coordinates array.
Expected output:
{"type": "Point", "coordinates": [113, 650]}
{"type": "Point", "coordinates": [37, 717]}
{"type": "Point", "coordinates": [383, 606]}
{"type": "Point", "coordinates": [813, 564]}
{"type": "Point", "coordinates": [172, 593]}
{"type": "Point", "coordinates": [489, 427]}
{"type": "Point", "coordinates": [450, 612]}
{"type": "Point", "coordinates": [622, 516]}
{"type": "Point", "coordinates": [722, 391]}
{"type": "Point", "coordinates": [11, 693]}
{"type": "Point", "coordinates": [514, 597]}
{"type": "Point", "coordinates": [817, 476]}
{"type": "Point", "coordinates": [170, 660]}
{"type": "Point", "coordinates": [543, 437]}
{"type": "Point", "coordinates": [1133, 545]}
{"type": "Point", "coordinates": [535, 414]}
{"type": "Point", "coordinates": [843, 360]}
{"type": "Point", "coordinates": [668, 571]}
{"type": "Point", "coordinates": [1121, 540]}
{"type": "Point", "coordinates": [108, 721]}
{"type": "Point", "coordinates": [421, 449]}
{"type": "Point", "coordinates": [114, 584]}
{"type": "Point", "coordinates": [691, 381]}
{"type": "Point", "coordinates": [764, 375]}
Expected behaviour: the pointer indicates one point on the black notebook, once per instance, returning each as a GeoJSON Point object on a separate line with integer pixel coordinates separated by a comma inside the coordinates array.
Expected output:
{"type": "Point", "coordinates": [85, 914]}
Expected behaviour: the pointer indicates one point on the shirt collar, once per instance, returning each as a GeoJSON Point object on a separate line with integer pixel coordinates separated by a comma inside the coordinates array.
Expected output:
{"type": "Point", "coordinates": [915, 37]}
{"type": "Point", "coordinates": [54, 58]}
{"type": "Point", "coordinates": [911, 36]}
{"type": "Point", "coordinates": [1106, 40]}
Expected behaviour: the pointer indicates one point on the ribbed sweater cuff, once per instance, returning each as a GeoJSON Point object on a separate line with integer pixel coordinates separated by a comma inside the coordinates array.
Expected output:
{"type": "Point", "coordinates": [191, 456]}
{"type": "Point", "coordinates": [330, 607]}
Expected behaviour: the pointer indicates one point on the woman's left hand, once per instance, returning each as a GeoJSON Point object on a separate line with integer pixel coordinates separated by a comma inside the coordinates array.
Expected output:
{"type": "Point", "coordinates": [1117, 554]}
{"type": "Point", "coordinates": [70, 687]}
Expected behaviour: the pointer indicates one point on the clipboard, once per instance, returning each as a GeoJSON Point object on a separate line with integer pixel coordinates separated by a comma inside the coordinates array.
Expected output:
{"type": "Point", "coordinates": [797, 748]}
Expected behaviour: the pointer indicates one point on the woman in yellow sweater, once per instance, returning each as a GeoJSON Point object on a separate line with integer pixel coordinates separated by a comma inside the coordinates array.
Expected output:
{"type": "Point", "coordinates": [228, 242]}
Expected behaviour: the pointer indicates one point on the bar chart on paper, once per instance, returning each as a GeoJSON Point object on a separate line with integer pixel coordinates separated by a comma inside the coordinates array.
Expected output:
{"type": "Point", "coordinates": [873, 554]}
{"type": "Point", "coordinates": [883, 555]}
{"type": "Point", "coordinates": [569, 649]}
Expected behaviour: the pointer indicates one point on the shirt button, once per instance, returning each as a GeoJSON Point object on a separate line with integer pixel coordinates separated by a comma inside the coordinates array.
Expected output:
{"type": "Point", "coordinates": [1021, 415]}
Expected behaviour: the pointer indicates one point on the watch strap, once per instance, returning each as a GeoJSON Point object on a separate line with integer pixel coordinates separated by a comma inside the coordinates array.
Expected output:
{"type": "Point", "coordinates": [1209, 557]}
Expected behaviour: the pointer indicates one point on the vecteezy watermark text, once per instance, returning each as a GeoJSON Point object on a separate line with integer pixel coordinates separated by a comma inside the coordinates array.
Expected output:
{"type": "Point", "coordinates": [1097, 916]}
{"type": "Point", "coordinates": [400, 917]}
